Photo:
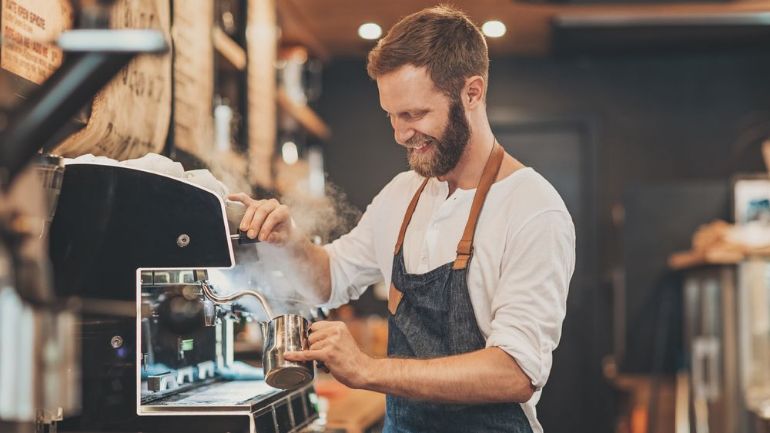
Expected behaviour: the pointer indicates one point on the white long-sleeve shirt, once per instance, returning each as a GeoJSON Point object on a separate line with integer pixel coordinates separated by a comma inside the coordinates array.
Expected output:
{"type": "Point", "coordinates": [523, 259]}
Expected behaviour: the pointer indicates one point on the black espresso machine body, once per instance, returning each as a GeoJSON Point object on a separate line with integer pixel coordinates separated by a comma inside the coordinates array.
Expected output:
{"type": "Point", "coordinates": [129, 246]}
{"type": "Point", "coordinates": [112, 220]}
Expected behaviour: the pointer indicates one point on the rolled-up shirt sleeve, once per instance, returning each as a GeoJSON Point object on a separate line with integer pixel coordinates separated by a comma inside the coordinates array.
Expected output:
{"type": "Point", "coordinates": [530, 303]}
{"type": "Point", "coordinates": [352, 260]}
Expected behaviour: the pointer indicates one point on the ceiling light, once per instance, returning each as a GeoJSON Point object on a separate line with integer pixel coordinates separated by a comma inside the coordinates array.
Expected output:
{"type": "Point", "coordinates": [493, 28]}
{"type": "Point", "coordinates": [289, 153]}
{"type": "Point", "coordinates": [370, 31]}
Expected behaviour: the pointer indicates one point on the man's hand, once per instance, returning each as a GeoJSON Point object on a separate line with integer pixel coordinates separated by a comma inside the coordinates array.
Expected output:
{"type": "Point", "coordinates": [267, 220]}
{"type": "Point", "coordinates": [332, 344]}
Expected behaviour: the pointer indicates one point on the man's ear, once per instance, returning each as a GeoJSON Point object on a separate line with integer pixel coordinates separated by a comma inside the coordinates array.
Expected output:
{"type": "Point", "coordinates": [473, 92]}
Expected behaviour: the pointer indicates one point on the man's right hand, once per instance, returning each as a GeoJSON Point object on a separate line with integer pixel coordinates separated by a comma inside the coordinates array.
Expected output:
{"type": "Point", "coordinates": [270, 221]}
{"type": "Point", "coordinates": [266, 220]}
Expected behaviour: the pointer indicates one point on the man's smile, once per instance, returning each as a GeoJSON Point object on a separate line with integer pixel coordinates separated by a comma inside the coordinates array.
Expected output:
{"type": "Point", "coordinates": [421, 148]}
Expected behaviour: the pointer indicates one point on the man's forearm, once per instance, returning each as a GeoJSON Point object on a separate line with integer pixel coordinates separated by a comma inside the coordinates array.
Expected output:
{"type": "Point", "coordinates": [485, 376]}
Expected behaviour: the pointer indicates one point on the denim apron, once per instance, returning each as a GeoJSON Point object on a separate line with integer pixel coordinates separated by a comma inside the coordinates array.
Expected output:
{"type": "Point", "coordinates": [431, 316]}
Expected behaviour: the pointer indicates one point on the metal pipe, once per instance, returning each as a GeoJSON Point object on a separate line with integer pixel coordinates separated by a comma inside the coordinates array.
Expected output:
{"type": "Point", "coordinates": [219, 299]}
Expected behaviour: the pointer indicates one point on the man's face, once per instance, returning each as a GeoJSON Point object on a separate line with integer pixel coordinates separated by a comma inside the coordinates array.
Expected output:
{"type": "Point", "coordinates": [430, 125]}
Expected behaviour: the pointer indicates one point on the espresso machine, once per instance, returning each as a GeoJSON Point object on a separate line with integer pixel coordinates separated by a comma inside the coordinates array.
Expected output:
{"type": "Point", "coordinates": [137, 250]}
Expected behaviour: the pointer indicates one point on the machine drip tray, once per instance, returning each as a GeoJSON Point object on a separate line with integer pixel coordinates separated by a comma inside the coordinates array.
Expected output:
{"type": "Point", "coordinates": [222, 403]}
{"type": "Point", "coordinates": [230, 396]}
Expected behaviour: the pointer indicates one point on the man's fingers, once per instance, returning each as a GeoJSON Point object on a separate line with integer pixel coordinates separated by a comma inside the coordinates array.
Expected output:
{"type": "Point", "coordinates": [262, 218]}
{"type": "Point", "coordinates": [321, 324]}
{"type": "Point", "coordinates": [319, 345]}
{"type": "Point", "coordinates": [278, 216]}
{"type": "Point", "coordinates": [250, 204]}
{"type": "Point", "coordinates": [241, 197]}
{"type": "Point", "coordinates": [305, 355]}
{"type": "Point", "coordinates": [319, 335]}
{"type": "Point", "coordinates": [249, 214]}
{"type": "Point", "coordinates": [260, 214]}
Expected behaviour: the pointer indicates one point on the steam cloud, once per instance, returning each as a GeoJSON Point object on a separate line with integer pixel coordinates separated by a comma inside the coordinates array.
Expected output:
{"type": "Point", "coordinates": [272, 271]}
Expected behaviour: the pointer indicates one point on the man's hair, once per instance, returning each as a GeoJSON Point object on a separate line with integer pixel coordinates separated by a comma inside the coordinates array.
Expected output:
{"type": "Point", "coordinates": [442, 39]}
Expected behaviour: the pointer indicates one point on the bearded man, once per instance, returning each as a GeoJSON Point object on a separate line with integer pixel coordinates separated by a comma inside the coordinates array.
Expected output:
{"type": "Point", "coordinates": [477, 249]}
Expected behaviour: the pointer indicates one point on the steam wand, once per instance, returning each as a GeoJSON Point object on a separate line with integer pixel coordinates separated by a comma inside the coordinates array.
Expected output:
{"type": "Point", "coordinates": [219, 299]}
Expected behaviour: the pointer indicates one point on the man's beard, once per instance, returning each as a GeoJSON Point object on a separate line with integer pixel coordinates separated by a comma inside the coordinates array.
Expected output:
{"type": "Point", "coordinates": [446, 151]}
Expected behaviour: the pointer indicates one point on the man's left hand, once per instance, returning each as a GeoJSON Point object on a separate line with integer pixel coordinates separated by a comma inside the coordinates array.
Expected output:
{"type": "Point", "coordinates": [332, 344]}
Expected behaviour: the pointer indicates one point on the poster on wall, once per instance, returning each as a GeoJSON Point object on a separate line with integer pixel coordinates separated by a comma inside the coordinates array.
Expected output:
{"type": "Point", "coordinates": [29, 29]}
{"type": "Point", "coordinates": [130, 116]}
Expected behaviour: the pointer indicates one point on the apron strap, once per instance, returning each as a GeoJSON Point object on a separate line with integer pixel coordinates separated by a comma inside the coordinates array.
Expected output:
{"type": "Point", "coordinates": [465, 246]}
{"type": "Point", "coordinates": [408, 215]}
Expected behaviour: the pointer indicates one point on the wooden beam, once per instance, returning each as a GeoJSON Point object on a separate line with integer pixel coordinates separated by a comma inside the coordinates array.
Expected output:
{"type": "Point", "coordinates": [228, 49]}
{"type": "Point", "coordinates": [261, 45]}
{"type": "Point", "coordinates": [304, 115]}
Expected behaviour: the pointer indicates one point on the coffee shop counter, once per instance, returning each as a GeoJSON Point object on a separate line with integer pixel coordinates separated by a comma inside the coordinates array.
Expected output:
{"type": "Point", "coordinates": [351, 410]}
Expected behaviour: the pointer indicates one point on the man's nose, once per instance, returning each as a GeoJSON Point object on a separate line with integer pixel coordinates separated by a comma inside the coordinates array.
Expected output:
{"type": "Point", "coordinates": [402, 132]}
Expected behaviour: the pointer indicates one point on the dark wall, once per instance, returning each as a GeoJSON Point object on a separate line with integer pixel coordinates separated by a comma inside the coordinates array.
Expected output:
{"type": "Point", "coordinates": [657, 117]}
{"type": "Point", "coordinates": [653, 118]}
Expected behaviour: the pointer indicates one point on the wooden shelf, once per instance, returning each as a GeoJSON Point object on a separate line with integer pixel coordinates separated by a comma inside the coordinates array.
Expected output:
{"type": "Point", "coordinates": [304, 115]}
{"type": "Point", "coordinates": [233, 53]}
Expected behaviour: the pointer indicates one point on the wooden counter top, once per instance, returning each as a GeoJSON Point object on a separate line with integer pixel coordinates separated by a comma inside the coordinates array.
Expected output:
{"type": "Point", "coordinates": [351, 409]}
